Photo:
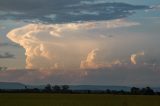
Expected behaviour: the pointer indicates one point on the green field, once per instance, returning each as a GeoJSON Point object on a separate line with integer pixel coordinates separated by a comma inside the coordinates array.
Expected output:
{"type": "Point", "coordinates": [77, 100]}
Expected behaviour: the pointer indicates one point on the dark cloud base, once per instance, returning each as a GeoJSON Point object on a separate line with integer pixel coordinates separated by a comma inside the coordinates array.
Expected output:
{"type": "Point", "coordinates": [132, 76]}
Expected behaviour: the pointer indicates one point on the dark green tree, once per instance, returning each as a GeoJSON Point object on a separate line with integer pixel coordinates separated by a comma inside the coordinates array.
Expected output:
{"type": "Point", "coordinates": [65, 88]}
{"type": "Point", "coordinates": [135, 91]}
{"type": "Point", "coordinates": [56, 88]}
{"type": "Point", "coordinates": [147, 91]}
{"type": "Point", "coordinates": [48, 88]}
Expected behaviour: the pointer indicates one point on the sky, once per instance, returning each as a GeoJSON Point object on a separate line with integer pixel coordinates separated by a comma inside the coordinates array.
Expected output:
{"type": "Point", "coordinates": [82, 42]}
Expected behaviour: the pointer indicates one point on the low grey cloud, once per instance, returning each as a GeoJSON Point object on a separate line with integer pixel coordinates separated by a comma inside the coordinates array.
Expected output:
{"type": "Point", "coordinates": [2, 27]}
{"type": "Point", "coordinates": [6, 55]}
{"type": "Point", "coordinates": [141, 75]}
{"type": "Point", "coordinates": [6, 44]}
{"type": "Point", "coordinates": [60, 11]}
{"type": "Point", "coordinates": [3, 68]}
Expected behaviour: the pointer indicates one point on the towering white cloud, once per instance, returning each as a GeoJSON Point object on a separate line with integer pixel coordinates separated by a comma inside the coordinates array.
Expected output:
{"type": "Point", "coordinates": [89, 63]}
{"type": "Point", "coordinates": [54, 46]}
{"type": "Point", "coordinates": [134, 57]}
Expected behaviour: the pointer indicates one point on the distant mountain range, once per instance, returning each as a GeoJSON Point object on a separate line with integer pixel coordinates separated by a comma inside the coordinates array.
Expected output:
{"type": "Point", "coordinates": [15, 85]}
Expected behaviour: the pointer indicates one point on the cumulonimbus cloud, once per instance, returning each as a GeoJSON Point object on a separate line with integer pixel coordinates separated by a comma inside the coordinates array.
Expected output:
{"type": "Point", "coordinates": [53, 46]}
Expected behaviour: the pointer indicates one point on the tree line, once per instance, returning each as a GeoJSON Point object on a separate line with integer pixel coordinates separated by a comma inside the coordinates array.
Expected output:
{"type": "Point", "coordinates": [66, 89]}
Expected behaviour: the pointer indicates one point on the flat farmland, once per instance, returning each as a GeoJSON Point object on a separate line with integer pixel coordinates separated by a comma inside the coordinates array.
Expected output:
{"type": "Point", "coordinates": [38, 99]}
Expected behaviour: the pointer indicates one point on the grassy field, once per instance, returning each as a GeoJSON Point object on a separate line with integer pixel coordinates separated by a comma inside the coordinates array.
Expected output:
{"type": "Point", "coordinates": [77, 100]}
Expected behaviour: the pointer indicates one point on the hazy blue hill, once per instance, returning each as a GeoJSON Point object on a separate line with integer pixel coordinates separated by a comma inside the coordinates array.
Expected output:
{"type": "Point", "coordinates": [157, 89]}
{"type": "Point", "coordinates": [14, 85]}
{"type": "Point", "coordinates": [11, 85]}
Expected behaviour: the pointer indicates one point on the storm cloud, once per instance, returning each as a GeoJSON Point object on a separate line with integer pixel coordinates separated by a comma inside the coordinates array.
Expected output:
{"type": "Point", "coordinates": [80, 41]}
{"type": "Point", "coordinates": [56, 44]}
